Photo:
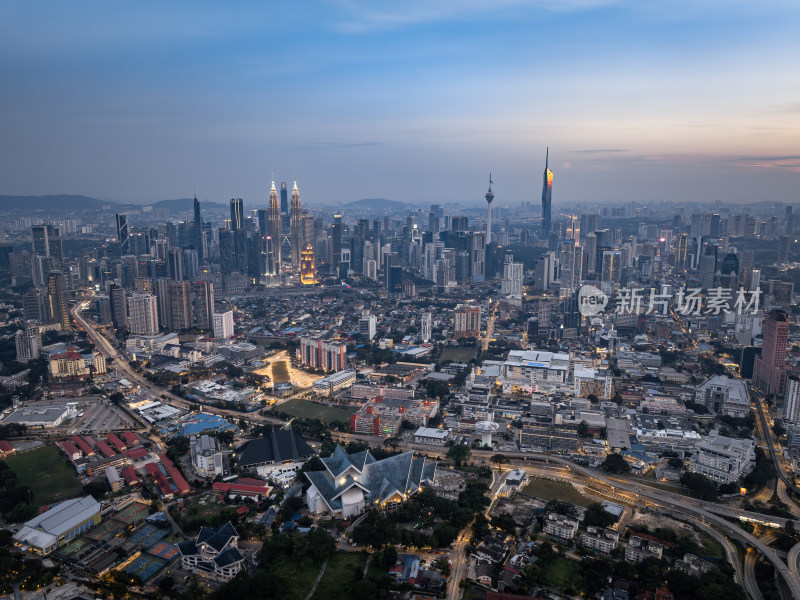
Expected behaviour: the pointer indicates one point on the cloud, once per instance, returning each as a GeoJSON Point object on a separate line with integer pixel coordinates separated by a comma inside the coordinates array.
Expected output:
{"type": "Point", "coordinates": [790, 163]}
{"type": "Point", "coordinates": [599, 151]}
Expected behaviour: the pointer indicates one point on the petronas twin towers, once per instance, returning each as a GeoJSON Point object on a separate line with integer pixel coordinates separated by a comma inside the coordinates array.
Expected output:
{"type": "Point", "coordinates": [275, 225]}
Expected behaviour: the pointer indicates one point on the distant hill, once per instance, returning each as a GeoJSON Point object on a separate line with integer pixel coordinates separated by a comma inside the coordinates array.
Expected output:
{"type": "Point", "coordinates": [55, 202]}
{"type": "Point", "coordinates": [183, 204]}
{"type": "Point", "coordinates": [379, 204]}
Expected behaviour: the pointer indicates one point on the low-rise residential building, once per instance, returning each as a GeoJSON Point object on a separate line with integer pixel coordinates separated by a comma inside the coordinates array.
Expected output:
{"type": "Point", "coordinates": [600, 539]}
{"type": "Point", "coordinates": [640, 548]}
{"type": "Point", "coordinates": [560, 525]}
{"type": "Point", "coordinates": [206, 456]}
{"type": "Point", "coordinates": [723, 459]}
{"type": "Point", "coordinates": [693, 565]}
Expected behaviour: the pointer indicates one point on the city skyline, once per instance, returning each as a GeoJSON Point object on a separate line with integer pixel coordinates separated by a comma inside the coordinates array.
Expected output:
{"type": "Point", "coordinates": [361, 102]}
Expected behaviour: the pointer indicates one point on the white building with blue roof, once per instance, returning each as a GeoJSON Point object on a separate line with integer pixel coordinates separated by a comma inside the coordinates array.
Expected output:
{"type": "Point", "coordinates": [351, 482]}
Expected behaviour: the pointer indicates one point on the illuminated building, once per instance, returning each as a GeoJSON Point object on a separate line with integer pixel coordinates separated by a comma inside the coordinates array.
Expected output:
{"type": "Point", "coordinates": [274, 229]}
{"type": "Point", "coordinates": [547, 191]}
{"type": "Point", "coordinates": [308, 268]}
{"type": "Point", "coordinates": [296, 228]}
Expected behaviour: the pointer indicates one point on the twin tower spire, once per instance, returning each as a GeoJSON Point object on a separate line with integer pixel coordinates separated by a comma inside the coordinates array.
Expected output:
{"type": "Point", "coordinates": [275, 224]}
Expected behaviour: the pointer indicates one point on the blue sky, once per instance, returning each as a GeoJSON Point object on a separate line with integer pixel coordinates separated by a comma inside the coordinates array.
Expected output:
{"type": "Point", "coordinates": [415, 101]}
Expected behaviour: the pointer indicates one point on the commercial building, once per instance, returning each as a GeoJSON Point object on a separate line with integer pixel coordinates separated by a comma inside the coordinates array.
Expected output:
{"type": "Point", "coordinates": [367, 326]}
{"type": "Point", "coordinates": [72, 365]}
{"type": "Point", "coordinates": [384, 416]}
{"type": "Point", "coordinates": [214, 554]}
{"type": "Point", "coordinates": [549, 438]}
{"type": "Point", "coordinates": [431, 435]}
{"type": "Point", "coordinates": [352, 482]}
{"type": "Point", "coordinates": [223, 325]}
{"type": "Point", "coordinates": [467, 321]}
{"type": "Point", "coordinates": [41, 417]}
{"type": "Point", "coordinates": [336, 382]}
{"type": "Point", "coordinates": [206, 456]}
{"type": "Point", "coordinates": [534, 371]}
{"type": "Point", "coordinates": [769, 370]}
{"type": "Point", "coordinates": [595, 382]}
{"type": "Point", "coordinates": [57, 526]}
{"type": "Point", "coordinates": [723, 459]}
{"type": "Point", "coordinates": [724, 396]}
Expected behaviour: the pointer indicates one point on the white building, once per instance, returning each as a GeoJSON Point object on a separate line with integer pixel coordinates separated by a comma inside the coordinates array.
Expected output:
{"type": "Point", "coordinates": [206, 456]}
{"type": "Point", "coordinates": [28, 342]}
{"type": "Point", "coordinates": [511, 285]}
{"type": "Point", "coordinates": [560, 526]}
{"type": "Point", "coordinates": [59, 525]}
{"type": "Point", "coordinates": [223, 325]}
{"type": "Point", "coordinates": [723, 459]}
{"type": "Point", "coordinates": [142, 314]}
{"type": "Point", "coordinates": [639, 549]}
{"type": "Point", "coordinates": [431, 436]}
{"type": "Point", "coordinates": [367, 326]}
{"type": "Point", "coordinates": [426, 323]}
{"type": "Point", "coordinates": [329, 385]}
{"type": "Point", "coordinates": [536, 371]}
{"type": "Point", "coordinates": [725, 396]}
{"type": "Point", "coordinates": [600, 539]}
{"type": "Point", "coordinates": [791, 399]}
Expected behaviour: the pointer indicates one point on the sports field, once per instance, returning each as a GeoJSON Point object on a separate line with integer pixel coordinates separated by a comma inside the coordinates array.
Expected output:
{"type": "Point", "coordinates": [458, 354]}
{"type": "Point", "coordinates": [316, 410]}
{"type": "Point", "coordinates": [48, 474]}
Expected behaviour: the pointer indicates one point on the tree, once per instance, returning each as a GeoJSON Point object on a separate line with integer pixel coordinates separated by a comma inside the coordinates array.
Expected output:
{"type": "Point", "coordinates": [583, 430]}
{"type": "Point", "coordinates": [699, 485]}
{"type": "Point", "coordinates": [778, 429]}
{"type": "Point", "coordinates": [598, 516]}
{"type": "Point", "coordinates": [459, 454]}
{"type": "Point", "coordinates": [615, 463]}
{"type": "Point", "coordinates": [499, 459]}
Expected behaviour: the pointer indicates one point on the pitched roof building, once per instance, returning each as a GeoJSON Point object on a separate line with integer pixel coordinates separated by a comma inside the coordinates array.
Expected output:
{"type": "Point", "coordinates": [352, 481]}
{"type": "Point", "coordinates": [214, 554]}
{"type": "Point", "coordinates": [279, 447]}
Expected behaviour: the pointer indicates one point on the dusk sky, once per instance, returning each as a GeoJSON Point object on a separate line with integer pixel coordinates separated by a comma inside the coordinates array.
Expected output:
{"type": "Point", "coordinates": [413, 101]}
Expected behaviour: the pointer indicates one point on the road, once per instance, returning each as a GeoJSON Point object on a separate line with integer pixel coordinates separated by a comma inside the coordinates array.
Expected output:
{"type": "Point", "coordinates": [489, 328]}
{"type": "Point", "coordinates": [750, 560]}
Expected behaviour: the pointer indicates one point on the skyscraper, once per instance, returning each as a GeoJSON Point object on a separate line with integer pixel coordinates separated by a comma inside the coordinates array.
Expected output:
{"type": "Point", "coordinates": [791, 399]}
{"type": "Point", "coordinates": [237, 214]}
{"type": "Point", "coordinates": [274, 228]}
{"type": "Point", "coordinates": [336, 243]}
{"type": "Point", "coordinates": [296, 227]}
{"type": "Point", "coordinates": [489, 198]}
{"type": "Point", "coordinates": [547, 191]}
{"type": "Point", "coordinates": [123, 234]}
{"type": "Point", "coordinates": [769, 371]}
{"type": "Point", "coordinates": [175, 264]}
{"type": "Point", "coordinates": [681, 251]}
{"type": "Point", "coordinates": [203, 301]}
{"type": "Point", "coordinates": [197, 230]}
{"type": "Point", "coordinates": [426, 323]}
{"type": "Point", "coordinates": [143, 311]}
{"type": "Point", "coordinates": [308, 268]}
{"type": "Point", "coordinates": [57, 299]}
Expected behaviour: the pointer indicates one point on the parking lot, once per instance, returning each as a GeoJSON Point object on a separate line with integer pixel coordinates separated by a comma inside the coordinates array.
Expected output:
{"type": "Point", "coordinates": [98, 416]}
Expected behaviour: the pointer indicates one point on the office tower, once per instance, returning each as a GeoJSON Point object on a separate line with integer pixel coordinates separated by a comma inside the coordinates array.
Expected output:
{"type": "Point", "coordinates": [394, 280]}
{"type": "Point", "coordinates": [707, 267]}
{"type": "Point", "coordinates": [223, 325]}
{"type": "Point", "coordinates": [237, 214]}
{"type": "Point", "coordinates": [573, 231]}
{"type": "Point", "coordinates": [175, 264]}
{"type": "Point", "coordinates": [295, 218]}
{"type": "Point", "coordinates": [589, 223]}
{"type": "Point", "coordinates": [142, 314]}
{"type": "Point", "coordinates": [336, 243]}
{"type": "Point", "coordinates": [197, 231]}
{"type": "Point", "coordinates": [611, 265]}
{"type": "Point", "coordinates": [227, 251]}
{"type": "Point", "coordinates": [263, 230]}
{"type": "Point", "coordinates": [123, 234]}
{"type": "Point", "coordinates": [467, 321]}
{"type": "Point", "coordinates": [769, 370]}
{"type": "Point", "coordinates": [269, 257]}
{"type": "Point", "coordinates": [308, 267]}
{"type": "Point", "coordinates": [47, 242]}
{"type": "Point", "coordinates": [755, 279]}
{"type": "Point", "coordinates": [57, 299]}
{"type": "Point", "coordinates": [547, 192]}
{"type": "Point", "coordinates": [284, 205]}
{"type": "Point", "coordinates": [367, 326]}
{"type": "Point", "coordinates": [783, 249]}
{"type": "Point", "coordinates": [511, 285]}
{"type": "Point", "coordinates": [34, 306]}
{"type": "Point", "coordinates": [274, 228]}
{"type": "Point", "coordinates": [590, 250]}
{"type": "Point", "coordinates": [681, 251]}
{"type": "Point", "coordinates": [39, 235]}
{"type": "Point", "coordinates": [426, 326]}
{"type": "Point", "coordinates": [28, 343]}
{"type": "Point", "coordinates": [119, 307]}
{"type": "Point", "coordinates": [489, 198]}
{"type": "Point", "coordinates": [180, 305]}
{"type": "Point", "coordinates": [203, 304]}
{"type": "Point", "coordinates": [791, 398]}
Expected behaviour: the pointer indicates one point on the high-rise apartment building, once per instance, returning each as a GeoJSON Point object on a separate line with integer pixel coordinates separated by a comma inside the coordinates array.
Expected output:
{"type": "Point", "coordinates": [467, 321]}
{"type": "Point", "coordinates": [57, 299]}
{"type": "Point", "coordinates": [28, 343]}
{"type": "Point", "coordinates": [367, 326]}
{"type": "Point", "coordinates": [203, 301]}
{"type": "Point", "coordinates": [179, 296]}
{"type": "Point", "coordinates": [426, 326]}
{"type": "Point", "coordinates": [142, 314]}
{"type": "Point", "coordinates": [223, 325]}
{"type": "Point", "coordinates": [791, 400]}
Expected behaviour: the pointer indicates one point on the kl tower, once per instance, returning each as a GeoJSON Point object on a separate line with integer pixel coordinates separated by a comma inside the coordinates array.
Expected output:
{"type": "Point", "coordinates": [489, 197]}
